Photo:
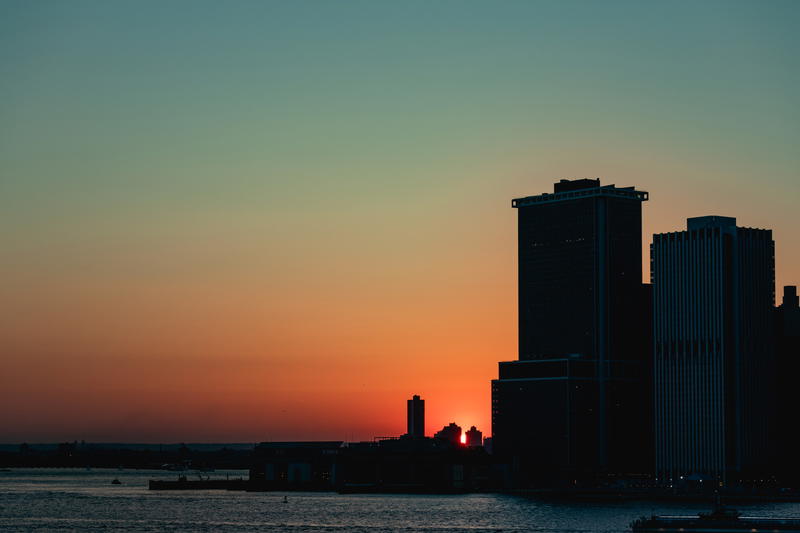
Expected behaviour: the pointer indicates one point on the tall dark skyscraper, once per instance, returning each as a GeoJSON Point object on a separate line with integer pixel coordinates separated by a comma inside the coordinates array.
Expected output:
{"type": "Point", "coordinates": [416, 417]}
{"type": "Point", "coordinates": [713, 298]}
{"type": "Point", "coordinates": [575, 402]}
{"type": "Point", "coordinates": [787, 350]}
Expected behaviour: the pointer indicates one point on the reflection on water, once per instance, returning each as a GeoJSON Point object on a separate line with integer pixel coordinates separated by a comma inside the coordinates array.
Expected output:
{"type": "Point", "coordinates": [58, 499]}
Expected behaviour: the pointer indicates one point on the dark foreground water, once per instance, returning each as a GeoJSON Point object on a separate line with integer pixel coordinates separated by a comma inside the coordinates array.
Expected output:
{"type": "Point", "coordinates": [81, 500]}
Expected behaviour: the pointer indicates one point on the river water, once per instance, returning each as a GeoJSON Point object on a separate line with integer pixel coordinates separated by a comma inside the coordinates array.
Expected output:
{"type": "Point", "coordinates": [85, 500]}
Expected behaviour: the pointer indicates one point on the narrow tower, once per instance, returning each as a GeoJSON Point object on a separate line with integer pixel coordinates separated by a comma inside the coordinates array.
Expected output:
{"type": "Point", "coordinates": [416, 417]}
{"type": "Point", "coordinates": [787, 351]}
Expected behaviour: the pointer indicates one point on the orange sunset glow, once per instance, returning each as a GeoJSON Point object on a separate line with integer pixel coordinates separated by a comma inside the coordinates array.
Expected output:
{"type": "Point", "coordinates": [230, 330]}
{"type": "Point", "coordinates": [270, 223]}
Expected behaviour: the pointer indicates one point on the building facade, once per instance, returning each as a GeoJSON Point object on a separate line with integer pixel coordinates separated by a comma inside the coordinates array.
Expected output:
{"type": "Point", "coordinates": [713, 297]}
{"type": "Point", "coordinates": [570, 408]}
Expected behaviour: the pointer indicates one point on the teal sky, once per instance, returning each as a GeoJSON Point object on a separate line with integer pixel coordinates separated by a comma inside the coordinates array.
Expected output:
{"type": "Point", "coordinates": [313, 160]}
{"type": "Point", "coordinates": [201, 103]}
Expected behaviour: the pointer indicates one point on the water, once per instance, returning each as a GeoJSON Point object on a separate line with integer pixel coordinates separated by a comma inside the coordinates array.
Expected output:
{"type": "Point", "coordinates": [81, 500]}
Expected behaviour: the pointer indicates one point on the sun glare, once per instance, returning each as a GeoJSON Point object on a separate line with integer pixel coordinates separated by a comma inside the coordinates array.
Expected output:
{"type": "Point", "coordinates": [463, 438]}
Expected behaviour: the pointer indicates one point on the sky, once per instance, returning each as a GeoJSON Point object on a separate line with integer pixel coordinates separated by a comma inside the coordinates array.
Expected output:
{"type": "Point", "coordinates": [248, 221]}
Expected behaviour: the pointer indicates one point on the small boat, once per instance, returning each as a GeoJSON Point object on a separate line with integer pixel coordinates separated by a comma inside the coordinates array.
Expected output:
{"type": "Point", "coordinates": [116, 482]}
{"type": "Point", "coordinates": [285, 499]}
{"type": "Point", "coordinates": [720, 520]}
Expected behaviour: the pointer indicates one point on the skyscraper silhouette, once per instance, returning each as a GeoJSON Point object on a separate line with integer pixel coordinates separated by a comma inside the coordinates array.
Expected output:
{"type": "Point", "coordinates": [416, 417]}
{"type": "Point", "coordinates": [713, 298]}
{"type": "Point", "coordinates": [787, 351]}
{"type": "Point", "coordinates": [571, 407]}
{"type": "Point", "coordinates": [474, 437]}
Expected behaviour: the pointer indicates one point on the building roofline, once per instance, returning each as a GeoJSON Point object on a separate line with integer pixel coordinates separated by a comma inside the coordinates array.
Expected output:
{"type": "Point", "coordinates": [680, 234]}
{"type": "Point", "coordinates": [608, 191]}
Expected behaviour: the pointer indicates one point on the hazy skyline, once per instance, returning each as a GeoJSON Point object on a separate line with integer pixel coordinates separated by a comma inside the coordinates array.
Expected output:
{"type": "Point", "coordinates": [277, 221]}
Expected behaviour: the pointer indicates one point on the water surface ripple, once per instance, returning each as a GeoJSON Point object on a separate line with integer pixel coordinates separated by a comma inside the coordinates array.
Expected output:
{"type": "Point", "coordinates": [85, 500]}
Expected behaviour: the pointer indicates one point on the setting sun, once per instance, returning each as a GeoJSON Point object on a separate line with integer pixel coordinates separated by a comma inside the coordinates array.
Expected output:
{"type": "Point", "coordinates": [463, 438]}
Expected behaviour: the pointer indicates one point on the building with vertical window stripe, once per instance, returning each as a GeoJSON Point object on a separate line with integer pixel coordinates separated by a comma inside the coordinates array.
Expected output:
{"type": "Point", "coordinates": [713, 298]}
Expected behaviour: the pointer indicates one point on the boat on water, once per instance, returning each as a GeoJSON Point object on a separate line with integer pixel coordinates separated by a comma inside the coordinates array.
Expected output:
{"type": "Point", "coordinates": [721, 520]}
